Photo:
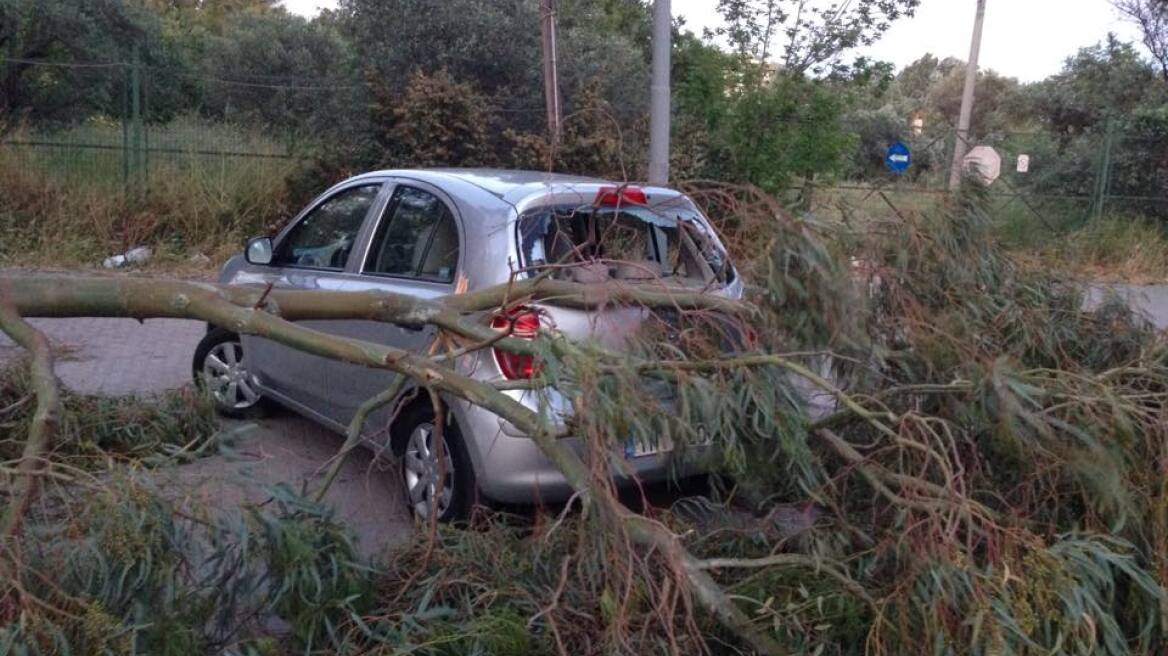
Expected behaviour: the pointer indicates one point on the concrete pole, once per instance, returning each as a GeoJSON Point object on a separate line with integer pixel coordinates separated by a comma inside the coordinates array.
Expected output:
{"type": "Point", "coordinates": [551, 81]}
{"type": "Point", "coordinates": [961, 147]}
{"type": "Point", "coordinates": [659, 105]}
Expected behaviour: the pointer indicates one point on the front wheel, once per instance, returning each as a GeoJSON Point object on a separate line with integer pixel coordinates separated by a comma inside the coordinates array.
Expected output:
{"type": "Point", "coordinates": [421, 468]}
{"type": "Point", "coordinates": [219, 368]}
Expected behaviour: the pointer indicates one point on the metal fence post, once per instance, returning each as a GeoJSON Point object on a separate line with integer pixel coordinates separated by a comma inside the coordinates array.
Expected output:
{"type": "Point", "coordinates": [125, 133]}
{"type": "Point", "coordinates": [136, 122]}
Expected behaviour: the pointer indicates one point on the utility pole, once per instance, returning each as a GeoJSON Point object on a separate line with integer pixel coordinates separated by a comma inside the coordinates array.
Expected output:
{"type": "Point", "coordinates": [659, 105]}
{"type": "Point", "coordinates": [961, 146]}
{"type": "Point", "coordinates": [551, 81]}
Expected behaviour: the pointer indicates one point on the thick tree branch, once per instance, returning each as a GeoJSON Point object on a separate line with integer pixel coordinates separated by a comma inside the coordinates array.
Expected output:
{"type": "Point", "coordinates": [140, 298]}
{"type": "Point", "coordinates": [44, 420]}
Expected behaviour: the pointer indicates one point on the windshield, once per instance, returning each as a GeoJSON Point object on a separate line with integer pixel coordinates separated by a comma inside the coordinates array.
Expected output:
{"type": "Point", "coordinates": [591, 244]}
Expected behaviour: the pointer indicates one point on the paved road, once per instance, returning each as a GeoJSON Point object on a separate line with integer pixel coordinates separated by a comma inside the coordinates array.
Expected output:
{"type": "Point", "coordinates": [119, 357]}
{"type": "Point", "coordinates": [1152, 300]}
{"type": "Point", "coordinates": [366, 496]}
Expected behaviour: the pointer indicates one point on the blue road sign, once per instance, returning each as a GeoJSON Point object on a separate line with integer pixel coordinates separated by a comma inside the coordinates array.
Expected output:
{"type": "Point", "coordinates": [898, 159]}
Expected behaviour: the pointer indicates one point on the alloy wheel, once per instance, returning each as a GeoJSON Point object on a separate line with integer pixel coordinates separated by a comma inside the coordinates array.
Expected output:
{"type": "Point", "coordinates": [227, 377]}
{"type": "Point", "coordinates": [420, 469]}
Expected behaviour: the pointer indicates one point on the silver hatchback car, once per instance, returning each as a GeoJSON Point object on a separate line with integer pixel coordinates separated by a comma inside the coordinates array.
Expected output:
{"type": "Point", "coordinates": [429, 233]}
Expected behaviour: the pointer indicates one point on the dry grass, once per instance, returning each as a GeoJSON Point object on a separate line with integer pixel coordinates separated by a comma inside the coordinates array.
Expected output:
{"type": "Point", "coordinates": [58, 210]}
{"type": "Point", "coordinates": [1115, 249]}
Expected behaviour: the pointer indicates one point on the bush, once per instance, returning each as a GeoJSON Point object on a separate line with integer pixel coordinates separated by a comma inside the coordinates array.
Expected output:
{"type": "Point", "coordinates": [436, 121]}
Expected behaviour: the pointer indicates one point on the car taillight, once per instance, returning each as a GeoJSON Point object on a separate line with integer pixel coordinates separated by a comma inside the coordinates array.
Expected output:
{"type": "Point", "coordinates": [524, 324]}
{"type": "Point", "coordinates": [613, 196]}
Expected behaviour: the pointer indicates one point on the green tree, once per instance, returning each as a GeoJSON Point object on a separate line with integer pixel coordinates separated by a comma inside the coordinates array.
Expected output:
{"type": "Point", "coordinates": [789, 128]}
{"type": "Point", "coordinates": [737, 122]}
{"type": "Point", "coordinates": [1105, 87]}
{"type": "Point", "coordinates": [72, 31]}
{"type": "Point", "coordinates": [874, 130]}
{"type": "Point", "coordinates": [592, 142]}
{"type": "Point", "coordinates": [435, 121]}
{"type": "Point", "coordinates": [280, 70]}
{"type": "Point", "coordinates": [497, 49]}
{"type": "Point", "coordinates": [493, 45]}
{"type": "Point", "coordinates": [993, 113]}
{"type": "Point", "coordinates": [1109, 79]}
{"type": "Point", "coordinates": [807, 36]}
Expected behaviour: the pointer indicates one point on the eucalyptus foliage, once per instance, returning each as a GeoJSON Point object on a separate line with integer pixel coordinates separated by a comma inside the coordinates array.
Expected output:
{"type": "Point", "coordinates": [124, 568]}
{"type": "Point", "coordinates": [988, 480]}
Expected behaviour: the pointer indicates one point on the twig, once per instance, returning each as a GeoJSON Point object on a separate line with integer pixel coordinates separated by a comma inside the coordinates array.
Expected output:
{"type": "Point", "coordinates": [353, 436]}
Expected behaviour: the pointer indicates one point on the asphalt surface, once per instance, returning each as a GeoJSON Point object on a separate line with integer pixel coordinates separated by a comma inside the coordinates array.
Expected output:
{"type": "Point", "coordinates": [117, 357]}
{"type": "Point", "coordinates": [1151, 300]}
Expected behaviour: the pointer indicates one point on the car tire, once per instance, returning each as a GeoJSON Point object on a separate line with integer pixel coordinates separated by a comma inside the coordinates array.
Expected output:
{"type": "Point", "coordinates": [413, 432]}
{"type": "Point", "coordinates": [218, 366]}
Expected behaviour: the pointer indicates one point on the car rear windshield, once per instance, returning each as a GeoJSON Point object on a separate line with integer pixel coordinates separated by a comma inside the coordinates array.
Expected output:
{"type": "Point", "coordinates": [632, 243]}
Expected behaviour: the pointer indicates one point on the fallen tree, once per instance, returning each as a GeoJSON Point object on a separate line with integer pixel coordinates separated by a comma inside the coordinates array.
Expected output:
{"type": "Point", "coordinates": [989, 477]}
{"type": "Point", "coordinates": [270, 313]}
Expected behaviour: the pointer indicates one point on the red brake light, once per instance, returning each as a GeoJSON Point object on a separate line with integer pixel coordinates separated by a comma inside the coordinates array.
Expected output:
{"type": "Point", "coordinates": [613, 196]}
{"type": "Point", "coordinates": [524, 324]}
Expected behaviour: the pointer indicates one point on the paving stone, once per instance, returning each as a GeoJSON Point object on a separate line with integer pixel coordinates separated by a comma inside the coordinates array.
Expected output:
{"type": "Point", "coordinates": [118, 357]}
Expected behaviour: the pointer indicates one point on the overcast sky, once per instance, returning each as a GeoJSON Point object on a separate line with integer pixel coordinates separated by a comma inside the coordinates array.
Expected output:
{"type": "Point", "coordinates": [1027, 39]}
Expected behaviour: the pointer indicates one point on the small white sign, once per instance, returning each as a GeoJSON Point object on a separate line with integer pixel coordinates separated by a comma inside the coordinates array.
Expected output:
{"type": "Point", "coordinates": [1023, 163]}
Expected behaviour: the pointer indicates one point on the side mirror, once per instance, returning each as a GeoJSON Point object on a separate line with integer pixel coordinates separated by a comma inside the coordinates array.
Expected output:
{"type": "Point", "coordinates": [259, 251]}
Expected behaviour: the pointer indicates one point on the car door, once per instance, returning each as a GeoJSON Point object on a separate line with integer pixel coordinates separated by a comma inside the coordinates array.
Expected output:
{"type": "Point", "coordinates": [316, 252]}
{"type": "Point", "coordinates": [415, 249]}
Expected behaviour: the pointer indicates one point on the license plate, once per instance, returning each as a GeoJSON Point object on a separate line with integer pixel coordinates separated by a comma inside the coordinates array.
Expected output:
{"type": "Point", "coordinates": [646, 446]}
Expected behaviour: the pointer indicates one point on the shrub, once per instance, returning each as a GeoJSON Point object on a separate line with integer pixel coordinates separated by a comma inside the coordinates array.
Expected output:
{"type": "Point", "coordinates": [435, 121]}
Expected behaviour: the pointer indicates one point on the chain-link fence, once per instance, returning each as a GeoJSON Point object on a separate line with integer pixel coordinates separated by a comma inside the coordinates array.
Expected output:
{"type": "Point", "coordinates": [1059, 181]}
{"type": "Point", "coordinates": [128, 127]}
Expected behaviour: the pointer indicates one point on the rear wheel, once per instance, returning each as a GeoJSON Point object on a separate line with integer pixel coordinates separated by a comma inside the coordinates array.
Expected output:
{"type": "Point", "coordinates": [421, 468]}
{"type": "Point", "coordinates": [219, 367]}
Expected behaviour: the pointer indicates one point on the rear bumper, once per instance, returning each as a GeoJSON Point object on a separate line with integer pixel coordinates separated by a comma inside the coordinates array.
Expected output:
{"type": "Point", "coordinates": [511, 468]}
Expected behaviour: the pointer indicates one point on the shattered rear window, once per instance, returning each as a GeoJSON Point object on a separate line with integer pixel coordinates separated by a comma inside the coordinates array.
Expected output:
{"type": "Point", "coordinates": [590, 244]}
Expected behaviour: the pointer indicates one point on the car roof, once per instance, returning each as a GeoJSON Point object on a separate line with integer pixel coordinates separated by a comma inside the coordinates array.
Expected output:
{"type": "Point", "coordinates": [510, 186]}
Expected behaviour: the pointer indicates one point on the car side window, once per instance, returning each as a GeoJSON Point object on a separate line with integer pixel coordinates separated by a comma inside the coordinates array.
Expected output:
{"type": "Point", "coordinates": [324, 238]}
{"type": "Point", "coordinates": [417, 238]}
